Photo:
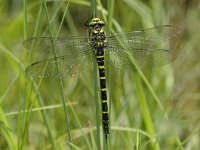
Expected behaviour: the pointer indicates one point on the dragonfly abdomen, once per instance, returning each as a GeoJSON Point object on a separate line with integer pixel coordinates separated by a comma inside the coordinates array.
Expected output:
{"type": "Point", "coordinates": [101, 67]}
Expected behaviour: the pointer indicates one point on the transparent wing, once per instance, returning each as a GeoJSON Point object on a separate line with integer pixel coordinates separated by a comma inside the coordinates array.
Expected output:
{"type": "Point", "coordinates": [149, 47]}
{"type": "Point", "coordinates": [125, 58]}
{"type": "Point", "coordinates": [142, 39]}
{"type": "Point", "coordinates": [72, 56]}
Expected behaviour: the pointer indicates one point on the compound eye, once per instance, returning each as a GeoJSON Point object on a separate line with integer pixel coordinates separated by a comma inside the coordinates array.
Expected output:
{"type": "Point", "coordinates": [89, 24]}
{"type": "Point", "coordinates": [101, 23]}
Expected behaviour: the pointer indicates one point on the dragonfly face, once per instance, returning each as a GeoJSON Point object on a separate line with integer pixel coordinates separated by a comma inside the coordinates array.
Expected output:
{"type": "Point", "coordinates": [97, 33]}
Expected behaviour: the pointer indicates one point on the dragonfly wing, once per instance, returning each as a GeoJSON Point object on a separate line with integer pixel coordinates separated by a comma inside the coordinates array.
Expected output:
{"type": "Point", "coordinates": [71, 55]}
{"type": "Point", "coordinates": [147, 38]}
{"type": "Point", "coordinates": [149, 47]}
{"type": "Point", "coordinates": [42, 47]}
{"type": "Point", "coordinates": [126, 58]}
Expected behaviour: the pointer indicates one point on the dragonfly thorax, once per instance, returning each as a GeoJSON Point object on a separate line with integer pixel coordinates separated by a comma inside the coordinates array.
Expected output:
{"type": "Point", "coordinates": [98, 37]}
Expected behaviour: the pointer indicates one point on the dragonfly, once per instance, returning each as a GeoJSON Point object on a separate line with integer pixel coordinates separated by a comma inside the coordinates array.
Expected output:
{"type": "Point", "coordinates": [74, 54]}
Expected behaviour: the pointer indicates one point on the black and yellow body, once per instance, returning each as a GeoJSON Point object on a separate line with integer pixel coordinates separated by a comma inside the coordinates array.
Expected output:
{"type": "Point", "coordinates": [99, 42]}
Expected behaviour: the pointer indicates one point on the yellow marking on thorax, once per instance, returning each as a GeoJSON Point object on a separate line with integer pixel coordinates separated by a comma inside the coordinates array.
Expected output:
{"type": "Point", "coordinates": [95, 31]}
{"type": "Point", "coordinates": [100, 43]}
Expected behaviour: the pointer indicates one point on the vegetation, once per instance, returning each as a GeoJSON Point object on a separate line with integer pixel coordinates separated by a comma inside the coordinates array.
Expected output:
{"type": "Point", "coordinates": [156, 108]}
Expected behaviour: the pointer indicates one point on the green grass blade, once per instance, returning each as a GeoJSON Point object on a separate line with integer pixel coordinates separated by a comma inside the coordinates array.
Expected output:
{"type": "Point", "coordinates": [25, 115]}
{"type": "Point", "coordinates": [110, 14]}
{"type": "Point", "coordinates": [60, 80]}
{"type": "Point", "coordinates": [6, 131]}
{"type": "Point", "coordinates": [110, 4]}
{"type": "Point", "coordinates": [93, 9]}
{"type": "Point", "coordinates": [80, 126]}
{"type": "Point", "coordinates": [145, 110]}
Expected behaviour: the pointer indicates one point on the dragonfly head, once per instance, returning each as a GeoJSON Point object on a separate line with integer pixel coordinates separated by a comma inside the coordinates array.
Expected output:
{"type": "Point", "coordinates": [94, 24]}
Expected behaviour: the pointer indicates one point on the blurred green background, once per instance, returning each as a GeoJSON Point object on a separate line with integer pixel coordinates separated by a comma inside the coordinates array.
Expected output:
{"type": "Point", "coordinates": [161, 114]}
